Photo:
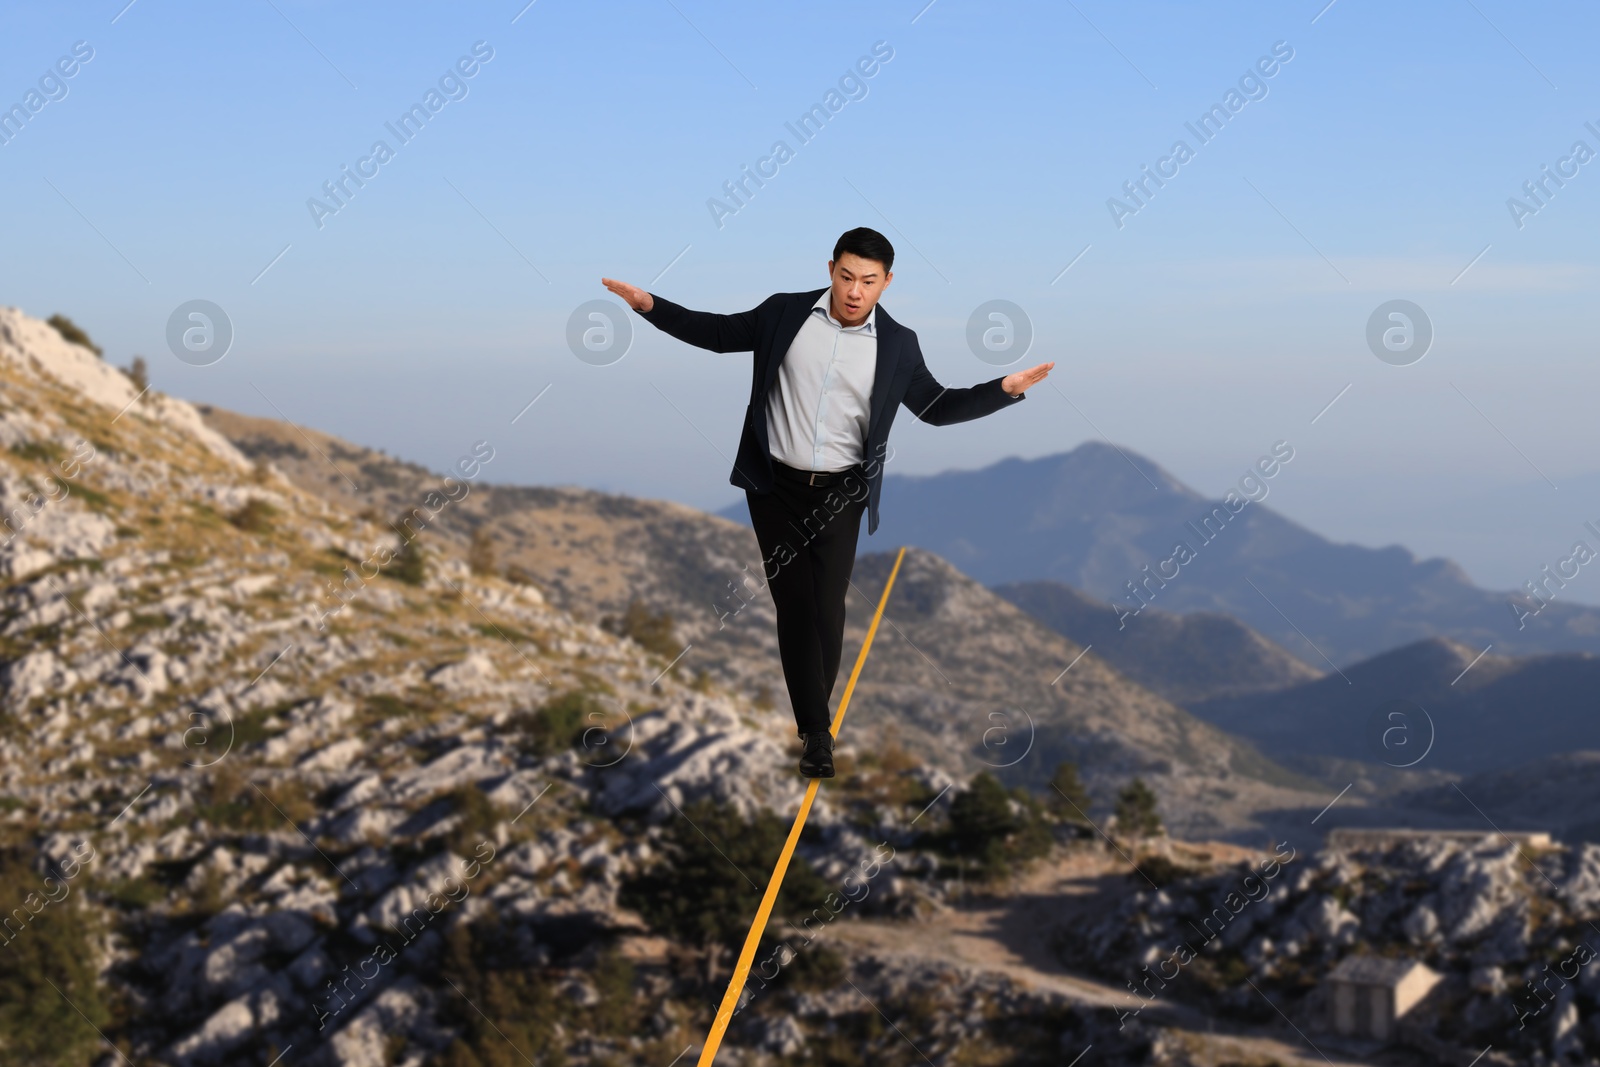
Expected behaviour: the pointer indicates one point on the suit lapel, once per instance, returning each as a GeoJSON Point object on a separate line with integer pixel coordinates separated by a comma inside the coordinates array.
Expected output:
{"type": "Point", "coordinates": [794, 316]}
{"type": "Point", "coordinates": [888, 332]}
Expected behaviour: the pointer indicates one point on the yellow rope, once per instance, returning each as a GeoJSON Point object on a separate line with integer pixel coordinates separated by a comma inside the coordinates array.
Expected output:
{"type": "Point", "coordinates": [747, 955]}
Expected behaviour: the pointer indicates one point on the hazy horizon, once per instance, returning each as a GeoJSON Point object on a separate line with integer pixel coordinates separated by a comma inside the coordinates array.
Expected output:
{"type": "Point", "coordinates": [1376, 162]}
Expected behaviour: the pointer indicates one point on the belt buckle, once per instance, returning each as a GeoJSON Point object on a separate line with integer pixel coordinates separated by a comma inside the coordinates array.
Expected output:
{"type": "Point", "coordinates": [812, 480]}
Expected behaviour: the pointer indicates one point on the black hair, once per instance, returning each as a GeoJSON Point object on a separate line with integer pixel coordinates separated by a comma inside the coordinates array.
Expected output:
{"type": "Point", "coordinates": [866, 243]}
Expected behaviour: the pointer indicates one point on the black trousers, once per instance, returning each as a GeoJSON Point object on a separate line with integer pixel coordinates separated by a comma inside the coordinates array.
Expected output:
{"type": "Point", "coordinates": [808, 546]}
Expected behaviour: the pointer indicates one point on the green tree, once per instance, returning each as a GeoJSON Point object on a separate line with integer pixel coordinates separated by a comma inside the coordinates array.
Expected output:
{"type": "Point", "coordinates": [700, 892]}
{"type": "Point", "coordinates": [70, 331]}
{"type": "Point", "coordinates": [507, 1010]}
{"type": "Point", "coordinates": [40, 1026]}
{"type": "Point", "coordinates": [1136, 810]}
{"type": "Point", "coordinates": [981, 821]}
{"type": "Point", "coordinates": [139, 373]}
{"type": "Point", "coordinates": [409, 565]}
{"type": "Point", "coordinates": [1068, 800]}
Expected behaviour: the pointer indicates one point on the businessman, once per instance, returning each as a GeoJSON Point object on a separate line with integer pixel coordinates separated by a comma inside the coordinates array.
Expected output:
{"type": "Point", "coordinates": [830, 370]}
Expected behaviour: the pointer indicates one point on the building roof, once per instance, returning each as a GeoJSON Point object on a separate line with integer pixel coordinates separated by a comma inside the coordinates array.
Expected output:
{"type": "Point", "coordinates": [1374, 970]}
{"type": "Point", "coordinates": [1350, 837]}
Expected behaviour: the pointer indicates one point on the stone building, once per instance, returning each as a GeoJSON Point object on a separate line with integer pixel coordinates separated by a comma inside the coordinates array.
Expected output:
{"type": "Point", "coordinates": [1368, 995]}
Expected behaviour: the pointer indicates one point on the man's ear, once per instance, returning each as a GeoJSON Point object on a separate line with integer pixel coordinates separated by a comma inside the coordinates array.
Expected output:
{"type": "Point", "coordinates": [887, 278]}
{"type": "Point", "coordinates": [830, 270]}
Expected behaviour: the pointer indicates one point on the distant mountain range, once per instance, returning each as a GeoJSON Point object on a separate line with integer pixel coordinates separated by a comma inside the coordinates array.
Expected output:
{"type": "Point", "coordinates": [1434, 703]}
{"type": "Point", "coordinates": [1185, 658]}
{"type": "Point", "coordinates": [959, 679]}
{"type": "Point", "coordinates": [1560, 793]}
{"type": "Point", "coordinates": [1210, 709]}
{"type": "Point", "coordinates": [1099, 518]}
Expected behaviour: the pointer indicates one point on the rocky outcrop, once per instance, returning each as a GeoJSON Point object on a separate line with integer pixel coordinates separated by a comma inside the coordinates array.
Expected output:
{"type": "Point", "coordinates": [1496, 921]}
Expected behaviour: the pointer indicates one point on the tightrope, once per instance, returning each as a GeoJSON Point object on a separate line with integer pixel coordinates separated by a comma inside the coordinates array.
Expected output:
{"type": "Point", "coordinates": [747, 955]}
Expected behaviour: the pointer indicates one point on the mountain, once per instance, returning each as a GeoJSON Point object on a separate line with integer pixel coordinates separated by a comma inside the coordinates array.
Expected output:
{"type": "Point", "coordinates": [292, 772]}
{"type": "Point", "coordinates": [1467, 712]}
{"type": "Point", "coordinates": [1096, 517]}
{"type": "Point", "coordinates": [959, 679]}
{"type": "Point", "coordinates": [1185, 658]}
{"type": "Point", "coordinates": [1559, 792]}
{"type": "Point", "coordinates": [277, 785]}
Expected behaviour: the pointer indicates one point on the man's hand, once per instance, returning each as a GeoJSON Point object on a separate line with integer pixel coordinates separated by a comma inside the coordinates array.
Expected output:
{"type": "Point", "coordinates": [1016, 384]}
{"type": "Point", "coordinates": [637, 298]}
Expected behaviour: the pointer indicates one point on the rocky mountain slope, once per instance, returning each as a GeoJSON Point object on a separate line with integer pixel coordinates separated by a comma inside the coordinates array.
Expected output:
{"type": "Point", "coordinates": [280, 783]}
{"type": "Point", "coordinates": [960, 679]}
{"type": "Point", "coordinates": [1096, 517]}
{"type": "Point", "coordinates": [286, 779]}
{"type": "Point", "coordinates": [1184, 658]}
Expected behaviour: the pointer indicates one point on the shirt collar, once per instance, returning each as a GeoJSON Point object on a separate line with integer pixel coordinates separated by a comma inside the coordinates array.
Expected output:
{"type": "Point", "coordinates": [822, 305]}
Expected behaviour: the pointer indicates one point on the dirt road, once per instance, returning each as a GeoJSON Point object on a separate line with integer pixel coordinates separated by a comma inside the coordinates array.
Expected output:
{"type": "Point", "coordinates": [1011, 933]}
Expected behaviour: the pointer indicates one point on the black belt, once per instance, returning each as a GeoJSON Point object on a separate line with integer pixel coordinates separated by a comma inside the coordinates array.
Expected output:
{"type": "Point", "coordinates": [821, 479]}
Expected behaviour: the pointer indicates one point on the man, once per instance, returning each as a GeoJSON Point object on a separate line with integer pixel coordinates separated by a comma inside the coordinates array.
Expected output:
{"type": "Point", "coordinates": [831, 368]}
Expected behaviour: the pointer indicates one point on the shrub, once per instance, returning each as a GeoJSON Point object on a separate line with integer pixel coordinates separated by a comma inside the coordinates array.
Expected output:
{"type": "Point", "coordinates": [816, 969]}
{"type": "Point", "coordinates": [477, 819]}
{"type": "Point", "coordinates": [1161, 871]}
{"type": "Point", "coordinates": [617, 1013]}
{"type": "Point", "coordinates": [698, 893]}
{"type": "Point", "coordinates": [39, 451]}
{"type": "Point", "coordinates": [650, 631]}
{"type": "Point", "coordinates": [235, 803]}
{"type": "Point", "coordinates": [390, 706]}
{"type": "Point", "coordinates": [559, 723]}
{"type": "Point", "coordinates": [480, 554]}
{"type": "Point", "coordinates": [254, 516]}
{"type": "Point", "coordinates": [40, 1026]}
{"type": "Point", "coordinates": [506, 1010]}
{"type": "Point", "coordinates": [70, 331]}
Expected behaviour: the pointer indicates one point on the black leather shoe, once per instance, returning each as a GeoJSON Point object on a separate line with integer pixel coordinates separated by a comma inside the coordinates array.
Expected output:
{"type": "Point", "coordinates": [817, 759]}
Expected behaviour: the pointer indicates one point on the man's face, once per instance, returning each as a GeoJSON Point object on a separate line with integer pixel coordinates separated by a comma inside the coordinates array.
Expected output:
{"type": "Point", "coordinates": [857, 285]}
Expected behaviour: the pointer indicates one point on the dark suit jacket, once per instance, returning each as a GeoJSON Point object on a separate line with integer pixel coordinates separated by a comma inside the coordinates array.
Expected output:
{"type": "Point", "coordinates": [901, 377]}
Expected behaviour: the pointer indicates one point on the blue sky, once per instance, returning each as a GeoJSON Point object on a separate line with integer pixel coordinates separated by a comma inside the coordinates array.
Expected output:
{"type": "Point", "coordinates": [1222, 316]}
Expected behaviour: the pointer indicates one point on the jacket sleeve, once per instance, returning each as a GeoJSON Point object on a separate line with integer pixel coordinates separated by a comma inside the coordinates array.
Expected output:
{"type": "Point", "coordinates": [939, 405]}
{"type": "Point", "coordinates": [705, 329]}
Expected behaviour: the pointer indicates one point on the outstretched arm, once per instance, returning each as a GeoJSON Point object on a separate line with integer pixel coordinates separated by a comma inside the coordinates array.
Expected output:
{"type": "Point", "coordinates": [703, 329]}
{"type": "Point", "coordinates": [939, 405]}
